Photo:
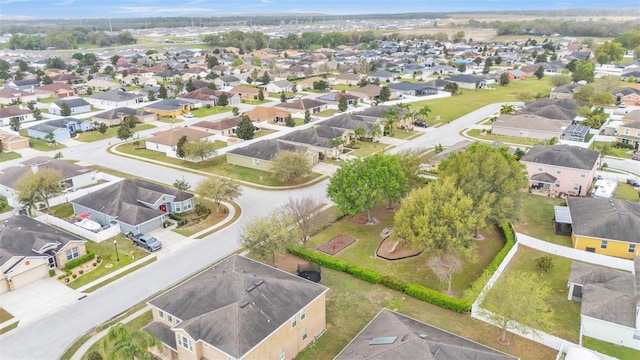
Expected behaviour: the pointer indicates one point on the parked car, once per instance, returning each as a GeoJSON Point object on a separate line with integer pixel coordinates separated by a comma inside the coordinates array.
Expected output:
{"type": "Point", "coordinates": [188, 115]}
{"type": "Point", "coordinates": [622, 106]}
{"type": "Point", "coordinates": [420, 123]}
{"type": "Point", "coordinates": [147, 242]}
{"type": "Point", "coordinates": [636, 156]}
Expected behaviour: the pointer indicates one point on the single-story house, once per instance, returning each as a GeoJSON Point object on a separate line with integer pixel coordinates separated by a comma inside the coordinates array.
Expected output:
{"type": "Point", "coordinates": [62, 129]}
{"type": "Point", "coordinates": [466, 81]}
{"type": "Point", "coordinates": [512, 74]}
{"type": "Point", "coordinates": [561, 169]}
{"type": "Point", "coordinates": [77, 106]}
{"type": "Point", "coordinates": [321, 139]}
{"type": "Point", "coordinates": [347, 79]}
{"type": "Point", "coordinates": [26, 84]}
{"type": "Point", "coordinates": [12, 142]}
{"type": "Point", "coordinates": [391, 335]}
{"type": "Point", "coordinates": [169, 107]}
{"type": "Point", "coordinates": [226, 81]}
{"type": "Point", "coordinates": [225, 127]}
{"type": "Point", "coordinates": [267, 314]}
{"type": "Point", "coordinates": [9, 96]}
{"type": "Point", "coordinates": [166, 141]}
{"type": "Point", "coordinates": [276, 87]}
{"type": "Point", "coordinates": [117, 116]}
{"type": "Point", "coordinates": [413, 89]}
{"type": "Point", "coordinates": [565, 91]}
{"type": "Point", "coordinates": [245, 92]}
{"type": "Point", "coordinates": [114, 98]}
{"type": "Point", "coordinates": [300, 106]}
{"type": "Point", "coordinates": [205, 96]}
{"type": "Point", "coordinates": [271, 115]}
{"type": "Point", "coordinates": [258, 155]}
{"type": "Point", "coordinates": [136, 205]}
{"type": "Point", "coordinates": [308, 82]}
{"type": "Point", "coordinates": [609, 309]}
{"type": "Point", "coordinates": [369, 92]}
{"type": "Point", "coordinates": [29, 248]}
{"type": "Point", "coordinates": [556, 109]}
{"type": "Point", "coordinates": [10, 113]}
{"type": "Point", "coordinates": [605, 226]}
{"type": "Point", "coordinates": [382, 76]}
{"type": "Point", "coordinates": [528, 126]}
{"type": "Point", "coordinates": [54, 91]}
{"type": "Point", "coordinates": [100, 85]}
{"type": "Point", "coordinates": [333, 98]}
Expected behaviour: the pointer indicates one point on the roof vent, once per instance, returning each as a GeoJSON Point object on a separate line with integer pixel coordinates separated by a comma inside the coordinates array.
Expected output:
{"type": "Point", "coordinates": [436, 351]}
{"type": "Point", "coordinates": [404, 337]}
{"type": "Point", "coordinates": [423, 337]}
{"type": "Point", "coordinates": [244, 304]}
{"type": "Point", "coordinates": [250, 288]}
{"type": "Point", "coordinates": [259, 282]}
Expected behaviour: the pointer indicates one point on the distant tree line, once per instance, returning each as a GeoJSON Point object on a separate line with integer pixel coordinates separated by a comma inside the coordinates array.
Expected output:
{"type": "Point", "coordinates": [564, 27]}
{"type": "Point", "coordinates": [61, 39]}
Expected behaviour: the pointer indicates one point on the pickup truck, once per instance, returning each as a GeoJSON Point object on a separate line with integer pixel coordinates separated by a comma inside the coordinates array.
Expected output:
{"type": "Point", "coordinates": [145, 241]}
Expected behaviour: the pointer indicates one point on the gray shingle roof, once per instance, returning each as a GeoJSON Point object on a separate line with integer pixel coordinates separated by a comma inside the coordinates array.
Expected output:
{"type": "Point", "coordinates": [120, 112]}
{"type": "Point", "coordinates": [115, 95]}
{"type": "Point", "coordinates": [349, 121]}
{"type": "Point", "coordinates": [168, 104]}
{"type": "Point", "coordinates": [562, 155]}
{"type": "Point", "coordinates": [413, 340]}
{"type": "Point", "coordinates": [72, 102]}
{"type": "Point", "coordinates": [213, 297]}
{"type": "Point", "coordinates": [267, 149]}
{"type": "Point", "coordinates": [605, 218]}
{"type": "Point", "coordinates": [315, 136]}
{"type": "Point", "coordinates": [544, 177]}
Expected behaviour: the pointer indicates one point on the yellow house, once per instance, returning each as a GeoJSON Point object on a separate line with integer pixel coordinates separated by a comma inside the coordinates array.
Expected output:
{"type": "Point", "coordinates": [239, 309]}
{"type": "Point", "coordinates": [260, 154]}
{"type": "Point", "coordinates": [169, 107]}
{"type": "Point", "coordinates": [605, 226]}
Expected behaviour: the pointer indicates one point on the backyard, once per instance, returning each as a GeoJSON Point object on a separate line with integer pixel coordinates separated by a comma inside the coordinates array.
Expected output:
{"type": "Point", "coordinates": [617, 152]}
{"type": "Point", "coordinates": [536, 218]}
{"type": "Point", "coordinates": [626, 192]}
{"type": "Point", "coordinates": [40, 144]}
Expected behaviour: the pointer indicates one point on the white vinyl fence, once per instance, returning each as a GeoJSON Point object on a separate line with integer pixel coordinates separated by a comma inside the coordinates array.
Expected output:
{"type": "Point", "coordinates": [99, 236]}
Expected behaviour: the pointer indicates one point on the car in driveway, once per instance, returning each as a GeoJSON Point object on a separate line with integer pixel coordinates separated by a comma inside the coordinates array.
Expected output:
{"type": "Point", "coordinates": [420, 123]}
{"type": "Point", "coordinates": [636, 156]}
{"type": "Point", "coordinates": [188, 115]}
{"type": "Point", "coordinates": [147, 242]}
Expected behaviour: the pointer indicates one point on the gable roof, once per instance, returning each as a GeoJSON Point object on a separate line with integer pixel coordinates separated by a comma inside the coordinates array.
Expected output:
{"type": "Point", "coordinates": [314, 136]}
{"type": "Point", "coordinates": [562, 155]}
{"type": "Point", "coordinates": [464, 78]}
{"type": "Point", "coordinates": [214, 296]}
{"type": "Point", "coordinates": [349, 121]}
{"type": "Point", "coordinates": [262, 113]}
{"type": "Point", "coordinates": [167, 104]}
{"type": "Point", "coordinates": [23, 236]}
{"type": "Point", "coordinates": [122, 112]}
{"type": "Point", "coordinates": [115, 95]}
{"type": "Point", "coordinates": [370, 90]}
{"type": "Point", "coordinates": [170, 137]}
{"type": "Point", "coordinates": [301, 104]}
{"type": "Point", "coordinates": [123, 200]}
{"type": "Point", "coordinates": [267, 149]}
{"type": "Point", "coordinates": [531, 122]}
{"type": "Point", "coordinates": [391, 335]}
{"type": "Point", "coordinates": [605, 218]}
{"type": "Point", "coordinates": [223, 124]}
{"type": "Point", "coordinates": [72, 102]}
{"type": "Point", "coordinates": [13, 111]}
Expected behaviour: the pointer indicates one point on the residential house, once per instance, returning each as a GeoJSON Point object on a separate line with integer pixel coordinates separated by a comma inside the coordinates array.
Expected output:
{"type": "Point", "coordinates": [65, 78]}
{"type": "Point", "coordinates": [320, 139]}
{"type": "Point", "coordinates": [62, 129]}
{"type": "Point", "coordinates": [116, 116]}
{"type": "Point", "coordinates": [12, 142]}
{"type": "Point", "coordinates": [245, 92]}
{"type": "Point", "coordinates": [224, 127]}
{"type": "Point", "coordinates": [226, 81]}
{"type": "Point", "coordinates": [633, 75]}
{"type": "Point", "coordinates": [166, 141]}
{"type": "Point", "coordinates": [512, 74]}
{"type": "Point", "coordinates": [307, 83]}
{"type": "Point", "coordinates": [333, 98]}
{"type": "Point", "coordinates": [10, 96]}
{"type": "Point", "coordinates": [382, 76]}
{"type": "Point", "coordinates": [627, 95]}
{"type": "Point", "coordinates": [29, 248]}
{"type": "Point", "coordinates": [169, 107]}
{"type": "Point", "coordinates": [267, 314]}
{"type": "Point", "coordinates": [466, 81]}
{"type": "Point", "coordinates": [369, 92]}
{"type": "Point", "coordinates": [259, 155]}
{"type": "Point", "coordinates": [114, 98]}
{"type": "Point", "coordinates": [391, 335]}
{"type": "Point", "coordinates": [556, 109]}
{"type": "Point", "coordinates": [15, 113]}
{"type": "Point", "coordinates": [347, 79]}
{"type": "Point", "coordinates": [276, 87]}
{"type": "Point", "coordinates": [353, 121]}
{"type": "Point", "coordinates": [205, 96]}
{"type": "Point", "coordinates": [138, 206]}
{"type": "Point", "coordinates": [561, 169]}
{"type": "Point", "coordinates": [271, 115]}
{"type": "Point", "coordinates": [74, 176]}
{"type": "Point", "coordinates": [528, 126]}
{"type": "Point", "coordinates": [610, 306]}
{"type": "Point", "coordinates": [77, 106]}
{"type": "Point", "coordinates": [565, 91]}
{"type": "Point", "coordinates": [438, 84]}
{"type": "Point", "coordinates": [629, 132]}
{"type": "Point", "coordinates": [100, 85]}
{"type": "Point", "coordinates": [139, 80]}
{"type": "Point", "coordinates": [26, 84]}
{"type": "Point", "coordinates": [412, 89]}
{"type": "Point", "coordinates": [54, 91]}
{"type": "Point", "coordinates": [300, 106]}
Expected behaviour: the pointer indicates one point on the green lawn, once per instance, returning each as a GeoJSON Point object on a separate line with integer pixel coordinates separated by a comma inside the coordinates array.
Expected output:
{"type": "Point", "coordinates": [619, 352]}
{"type": "Point", "coordinates": [194, 227]}
{"type": "Point", "coordinates": [5, 315]}
{"type": "Point", "coordinates": [263, 132]}
{"type": "Point", "coordinates": [169, 120]}
{"type": "Point", "coordinates": [6, 156]}
{"type": "Point", "coordinates": [256, 102]}
{"type": "Point", "coordinates": [90, 136]}
{"type": "Point", "coordinates": [404, 134]}
{"type": "Point", "coordinates": [621, 153]}
{"type": "Point", "coordinates": [477, 133]}
{"type": "Point", "coordinates": [566, 314]}
{"type": "Point", "coordinates": [217, 165]}
{"type": "Point", "coordinates": [364, 148]}
{"type": "Point", "coordinates": [454, 107]}
{"type": "Point", "coordinates": [626, 192]}
{"type": "Point", "coordinates": [127, 253]}
{"type": "Point", "coordinates": [536, 218]}
{"type": "Point", "coordinates": [46, 101]}
{"type": "Point", "coordinates": [203, 111]}
{"type": "Point", "coordinates": [61, 211]}
{"type": "Point", "coordinates": [327, 113]}
{"type": "Point", "coordinates": [40, 144]}
{"type": "Point", "coordinates": [341, 87]}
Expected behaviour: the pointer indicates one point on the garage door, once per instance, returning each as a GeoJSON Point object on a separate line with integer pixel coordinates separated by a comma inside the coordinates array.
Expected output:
{"type": "Point", "coordinates": [30, 276]}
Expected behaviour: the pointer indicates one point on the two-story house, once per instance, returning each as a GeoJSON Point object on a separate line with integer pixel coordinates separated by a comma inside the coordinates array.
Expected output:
{"type": "Point", "coordinates": [629, 131]}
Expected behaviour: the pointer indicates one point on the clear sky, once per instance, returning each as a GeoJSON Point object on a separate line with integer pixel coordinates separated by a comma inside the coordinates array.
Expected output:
{"type": "Point", "coordinates": [161, 8]}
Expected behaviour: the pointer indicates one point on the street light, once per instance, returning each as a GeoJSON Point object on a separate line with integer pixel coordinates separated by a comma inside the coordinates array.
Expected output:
{"type": "Point", "coordinates": [115, 244]}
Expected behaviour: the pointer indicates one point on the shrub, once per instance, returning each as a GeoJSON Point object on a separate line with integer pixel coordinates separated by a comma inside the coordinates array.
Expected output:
{"type": "Point", "coordinates": [201, 209]}
{"type": "Point", "coordinates": [74, 276]}
{"type": "Point", "coordinates": [545, 263]}
{"type": "Point", "coordinates": [52, 272]}
{"type": "Point", "coordinates": [94, 264]}
{"type": "Point", "coordinates": [433, 297]}
{"type": "Point", "coordinates": [318, 258]}
{"type": "Point", "coordinates": [365, 274]}
{"type": "Point", "coordinates": [81, 272]}
{"type": "Point", "coordinates": [80, 260]}
{"type": "Point", "coordinates": [94, 355]}
{"type": "Point", "coordinates": [393, 283]}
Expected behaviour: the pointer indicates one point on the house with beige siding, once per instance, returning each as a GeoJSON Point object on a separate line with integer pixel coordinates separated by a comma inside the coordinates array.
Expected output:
{"type": "Point", "coordinates": [271, 115]}
{"type": "Point", "coordinates": [528, 126]}
{"type": "Point", "coordinates": [238, 309]}
{"type": "Point", "coordinates": [166, 141]}
{"type": "Point", "coordinates": [260, 154]}
{"type": "Point", "coordinates": [629, 131]}
{"type": "Point", "coordinates": [29, 248]}
{"type": "Point", "coordinates": [116, 116]}
{"type": "Point", "coordinates": [12, 142]}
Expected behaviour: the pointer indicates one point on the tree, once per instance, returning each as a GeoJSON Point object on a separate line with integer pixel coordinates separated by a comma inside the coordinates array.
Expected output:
{"type": "Point", "coordinates": [14, 124]}
{"type": "Point", "coordinates": [46, 80]}
{"type": "Point", "coordinates": [260, 94]}
{"type": "Point", "coordinates": [190, 86]}
{"type": "Point", "coordinates": [65, 110]}
{"type": "Point", "coordinates": [560, 80]}
{"type": "Point", "coordinates": [51, 139]}
{"type": "Point", "coordinates": [362, 183]}
{"type": "Point", "coordinates": [289, 121]}
{"type": "Point", "coordinates": [307, 116]}
{"type": "Point", "coordinates": [452, 88]}
{"type": "Point", "coordinates": [29, 199]}
{"type": "Point", "coordinates": [58, 156]}
{"type": "Point", "coordinates": [342, 103]}
{"type": "Point", "coordinates": [288, 166]}
{"type": "Point", "coordinates": [385, 94]}
{"type": "Point", "coordinates": [283, 97]}
{"type": "Point", "coordinates": [320, 85]}
{"type": "Point", "coordinates": [266, 78]}
{"type": "Point", "coordinates": [391, 117]}
{"type": "Point", "coordinates": [201, 148]}
{"type": "Point", "coordinates": [304, 213]}
{"type": "Point", "coordinates": [410, 161]}
{"type": "Point", "coordinates": [492, 178]}
{"type": "Point", "coordinates": [358, 132]}
{"type": "Point", "coordinates": [507, 109]}
{"type": "Point", "coordinates": [235, 111]}
{"type": "Point", "coordinates": [124, 132]}
{"type": "Point", "coordinates": [43, 184]}
{"type": "Point", "coordinates": [267, 237]}
{"type": "Point", "coordinates": [182, 184]}
{"type": "Point", "coordinates": [245, 129]}
{"type": "Point", "coordinates": [162, 92]}
{"type": "Point", "coordinates": [223, 100]}
{"type": "Point", "coordinates": [611, 50]}
{"type": "Point", "coordinates": [37, 114]}
{"type": "Point", "coordinates": [102, 128]}
{"type": "Point", "coordinates": [510, 310]}
{"type": "Point", "coordinates": [121, 343]}
{"type": "Point", "coordinates": [445, 266]}
{"type": "Point", "coordinates": [539, 74]}
{"type": "Point", "coordinates": [604, 151]}
{"type": "Point", "coordinates": [151, 96]}
{"type": "Point", "coordinates": [424, 112]}
{"type": "Point", "coordinates": [218, 189]}
{"type": "Point", "coordinates": [504, 79]}
{"type": "Point", "coordinates": [583, 71]}
{"type": "Point", "coordinates": [525, 96]}
{"type": "Point", "coordinates": [180, 153]}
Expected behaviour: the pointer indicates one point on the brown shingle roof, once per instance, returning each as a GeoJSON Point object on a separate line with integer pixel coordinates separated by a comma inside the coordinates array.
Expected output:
{"type": "Point", "coordinates": [171, 137]}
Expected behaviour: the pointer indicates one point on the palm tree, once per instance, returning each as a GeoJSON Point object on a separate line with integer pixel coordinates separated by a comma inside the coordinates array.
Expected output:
{"type": "Point", "coordinates": [507, 109]}
{"type": "Point", "coordinates": [29, 199]}
{"type": "Point", "coordinates": [359, 133]}
{"type": "Point", "coordinates": [392, 116]}
{"type": "Point", "coordinates": [424, 112]}
{"type": "Point", "coordinates": [121, 343]}
{"type": "Point", "coordinates": [374, 132]}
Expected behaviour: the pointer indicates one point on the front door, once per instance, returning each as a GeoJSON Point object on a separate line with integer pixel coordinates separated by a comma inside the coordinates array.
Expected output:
{"type": "Point", "coordinates": [53, 263]}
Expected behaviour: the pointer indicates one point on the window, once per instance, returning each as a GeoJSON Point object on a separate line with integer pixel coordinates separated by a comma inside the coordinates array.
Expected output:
{"type": "Point", "coordinates": [626, 131]}
{"type": "Point", "coordinates": [558, 183]}
{"type": "Point", "coordinates": [161, 314]}
{"type": "Point", "coordinates": [72, 253]}
{"type": "Point", "coordinates": [304, 334]}
{"type": "Point", "coordinates": [603, 244]}
{"type": "Point", "coordinates": [540, 168]}
{"type": "Point", "coordinates": [303, 314]}
{"type": "Point", "coordinates": [185, 342]}
{"type": "Point", "coordinates": [558, 171]}
{"type": "Point", "coordinates": [282, 354]}
{"type": "Point", "coordinates": [576, 186]}
{"type": "Point", "coordinates": [583, 174]}
{"type": "Point", "coordinates": [632, 248]}
{"type": "Point", "coordinates": [294, 321]}
{"type": "Point", "coordinates": [170, 318]}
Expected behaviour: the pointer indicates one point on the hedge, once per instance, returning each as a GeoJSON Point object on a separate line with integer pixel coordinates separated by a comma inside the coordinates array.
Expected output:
{"type": "Point", "coordinates": [365, 274]}
{"type": "Point", "coordinates": [319, 258]}
{"type": "Point", "coordinates": [509, 241]}
{"type": "Point", "coordinates": [80, 260]}
{"type": "Point", "coordinates": [436, 298]}
{"type": "Point", "coordinates": [393, 283]}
